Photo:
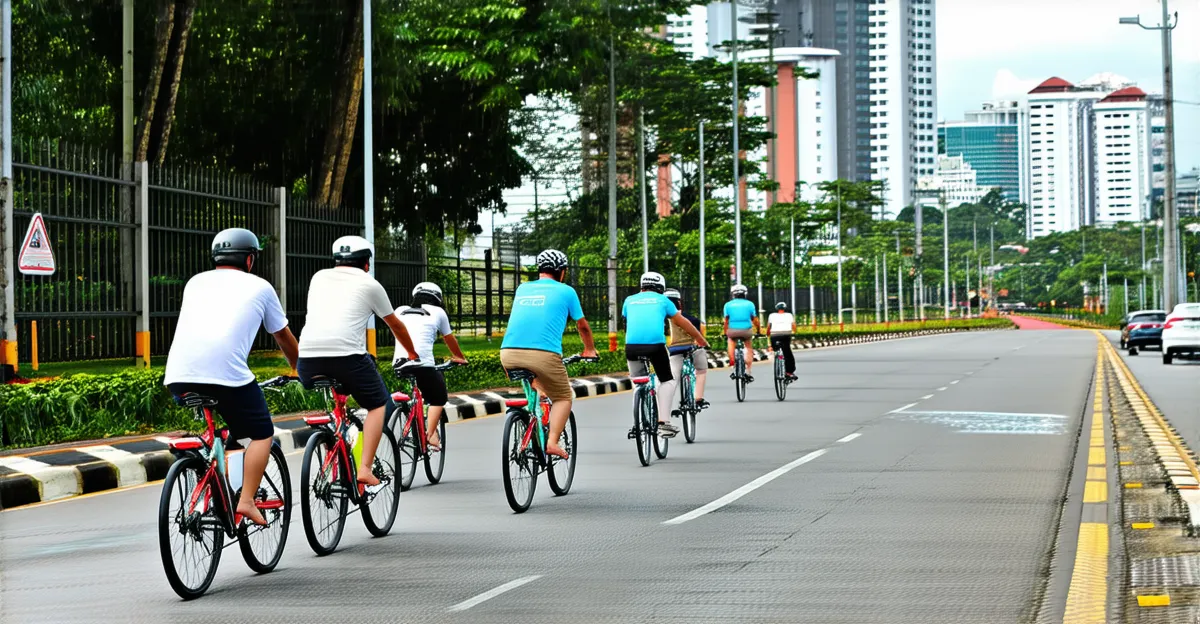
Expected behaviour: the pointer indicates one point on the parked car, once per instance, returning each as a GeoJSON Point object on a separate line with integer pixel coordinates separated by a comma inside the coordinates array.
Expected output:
{"type": "Point", "coordinates": [1142, 329]}
{"type": "Point", "coordinates": [1181, 332]}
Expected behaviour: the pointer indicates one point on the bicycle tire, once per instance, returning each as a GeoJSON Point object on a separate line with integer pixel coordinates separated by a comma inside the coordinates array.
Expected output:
{"type": "Point", "coordinates": [780, 380]}
{"type": "Point", "coordinates": [334, 495]}
{"type": "Point", "coordinates": [515, 464]}
{"type": "Point", "coordinates": [739, 381]}
{"type": "Point", "coordinates": [380, 516]}
{"type": "Point", "coordinates": [435, 461]}
{"type": "Point", "coordinates": [688, 409]}
{"type": "Point", "coordinates": [409, 450]}
{"type": "Point", "coordinates": [170, 524]}
{"type": "Point", "coordinates": [641, 425]}
{"type": "Point", "coordinates": [661, 445]}
{"type": "Point", "coordinates": [276, 485]}
{"type": "Point", "coordinates": [562, 471]}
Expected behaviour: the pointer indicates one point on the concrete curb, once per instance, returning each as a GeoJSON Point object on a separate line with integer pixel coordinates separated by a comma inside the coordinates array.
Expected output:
{"type": "Point", "coordinates": [60, 474]}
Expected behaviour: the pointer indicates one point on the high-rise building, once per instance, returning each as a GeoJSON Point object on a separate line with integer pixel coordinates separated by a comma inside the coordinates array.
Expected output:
{"type": "Point", "coordinates": [1187, 193]}
{"type": "Point", "coordinates": [1124, 172]}
{"type": "Point", "coordinates": [887, 106]}
{"type": "Point", "coordinates": [689, 32]}
{"type": "Point", "coordinates": [956, 179]}
{"type": "Point", "coordinates": [988, 140]}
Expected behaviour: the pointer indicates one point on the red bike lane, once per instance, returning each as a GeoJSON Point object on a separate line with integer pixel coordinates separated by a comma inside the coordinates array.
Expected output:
{"type": "Point", "coordinates": [1028, 323]}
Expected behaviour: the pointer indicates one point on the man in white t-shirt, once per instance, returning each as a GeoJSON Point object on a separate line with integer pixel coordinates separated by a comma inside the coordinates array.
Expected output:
{"type": "Point", "coordinates": [781, 325]}
{"type": "Point", "coordinates": [221, 312]}
{"type": "Point", "coordinates": [333, 342]}
{"type": "Point", "coordinates": [425, 320]}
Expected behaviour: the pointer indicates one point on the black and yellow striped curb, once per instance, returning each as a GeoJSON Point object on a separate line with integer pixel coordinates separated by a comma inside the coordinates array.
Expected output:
{"type": "Point", "coordinates": [44, 475]}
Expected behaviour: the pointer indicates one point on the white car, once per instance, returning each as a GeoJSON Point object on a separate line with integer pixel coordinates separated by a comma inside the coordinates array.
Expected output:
{"type": "Point", "coordinates": [1181, 332]}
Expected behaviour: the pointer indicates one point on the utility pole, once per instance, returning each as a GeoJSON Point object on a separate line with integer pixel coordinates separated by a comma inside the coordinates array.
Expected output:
{"type": "Point", "coordinates": [919, 282]}
{"type": "Point", "coordinates": [968, 287]}
{"type": "Point", "coordinates": [703, 273]}
{"type": "Point", "coordinates": [641, 186]}
{"type": "Point", "coordinates": [792, 263]}
{"type": "Point", "coordinates": [839, 252]}
{"type": "Point", "coordinates": [737, 187]}
{"type": "Point", "coordinates": [945, 248]}
{"type": "Point", "coordinates": [613, 321]}
{"type": "Point", "coordinates": [875, 264]}
{"type": "Point", "coordinates": [8, 346]}
{"type": "Point", "coordinates": [885, 287]}
{"type": "Point", "coordinates": [1142, 293]}
{"type": "Point", "coordinates": [899, 280]}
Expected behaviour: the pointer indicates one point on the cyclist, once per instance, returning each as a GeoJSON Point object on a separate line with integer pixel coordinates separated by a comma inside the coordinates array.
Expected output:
{"type": "Point", "coordinates": [644, 315]}
{"type": "Point", "coordinates": [533, 341]}
{"type": "Point", "coordinates": [221, 312]}
{"type": "Point", "coordinates": [425, 319]}
{"type": "Point", "coordinates": [741, 315]}
{"type": "Point", "coordinates": [781, 326]}
{"type": "Point", "coordinates": [681, 342]}
{"type": "Point", "coordinates": [340, 302]}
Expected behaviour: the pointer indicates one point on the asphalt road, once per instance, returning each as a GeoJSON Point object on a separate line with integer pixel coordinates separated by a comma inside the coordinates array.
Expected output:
{"type": "Point", "coordinates": [931, 514]}
{"type": "Point", "coordinates": [1174, 388]}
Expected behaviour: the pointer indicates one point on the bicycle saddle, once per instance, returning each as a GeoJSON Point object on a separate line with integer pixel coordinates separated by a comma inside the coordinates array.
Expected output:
{"type": "Point", "coordinates": [520, 374]}
{"type": "Point", "coordinates": [321, 382]}
{"type": "Point", "coordinates": [192, 399]}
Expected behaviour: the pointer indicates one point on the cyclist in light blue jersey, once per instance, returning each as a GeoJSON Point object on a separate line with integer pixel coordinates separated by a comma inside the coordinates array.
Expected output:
{"type": "Point", "coordinates": [533, 340]}
{"type": "Point", "coordinates": [644, 315]}
{"type": "Point", "coordinates": [741, 316]}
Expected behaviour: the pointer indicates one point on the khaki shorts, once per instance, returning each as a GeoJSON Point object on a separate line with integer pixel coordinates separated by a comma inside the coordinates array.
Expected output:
{"type": "Point", "coordinates": [740, 333]}
{"type": "Point", "coordinates": [551, 374]}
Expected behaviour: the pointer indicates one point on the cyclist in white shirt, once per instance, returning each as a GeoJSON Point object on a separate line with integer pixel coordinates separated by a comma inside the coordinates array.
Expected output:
{"type": "Point", "coordinates": [425, 320]}
{"type": "Point", "coordinates": [782, 326]}
{"type": "Point", "coordinates": [333, 342]}
{"type": "Point", "coordinates": [220, 315]}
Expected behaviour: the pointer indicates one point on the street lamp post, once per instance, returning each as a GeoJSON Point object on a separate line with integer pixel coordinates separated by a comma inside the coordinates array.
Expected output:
{"type": "Point", "coordinates": [1170, 257]}
{"type": "Point", "coordinates": [737, 208]}
{"type": "Point", "coordinates": [703, 281]}
{"type": "Point", "coordinates": [841, 321]}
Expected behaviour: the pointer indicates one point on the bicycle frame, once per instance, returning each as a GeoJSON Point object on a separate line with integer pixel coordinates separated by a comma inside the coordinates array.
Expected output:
{"type": "Point", "coordinates": [541, 419]}
{"type": "Point", "coordinates": [338, 421]}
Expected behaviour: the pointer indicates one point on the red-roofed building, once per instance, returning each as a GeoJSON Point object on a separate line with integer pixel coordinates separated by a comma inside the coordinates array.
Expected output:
{"type": "Point", "coordinates": [1053, 85]}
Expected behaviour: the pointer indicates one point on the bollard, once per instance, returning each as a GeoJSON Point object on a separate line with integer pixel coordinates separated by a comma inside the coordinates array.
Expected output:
{"type": "Point", "coordinates": [612, 342]}
{"type": "Point", "coordinates": [33, 343]}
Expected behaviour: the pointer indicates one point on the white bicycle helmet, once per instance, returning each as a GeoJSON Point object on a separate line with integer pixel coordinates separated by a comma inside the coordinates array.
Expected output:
{"type": "Point", "coordinates": [352, 250]}
{"type": "Point", "coordinates": [428, 288]}
{"type": "Point", "coordinates": [653, 281]}
{"type": "Point", "coordinates": [739, 291]}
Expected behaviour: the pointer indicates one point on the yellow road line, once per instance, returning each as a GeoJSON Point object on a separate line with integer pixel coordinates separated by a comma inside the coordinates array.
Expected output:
{"type": "Point", "coordinates": [1088, 592]}
{"type": "Point", "coordinates": [1095, 492]}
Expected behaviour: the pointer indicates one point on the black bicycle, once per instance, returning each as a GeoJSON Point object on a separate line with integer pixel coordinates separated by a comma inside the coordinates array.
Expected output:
{"type": "Point", "coordinates": [523, 451]}
{"type": "Point", "coordinates": [687, 396]}
{"type": "Point", "coordinates": [739, 376]}
{"type": "Point", "coordinates": [645, 416]}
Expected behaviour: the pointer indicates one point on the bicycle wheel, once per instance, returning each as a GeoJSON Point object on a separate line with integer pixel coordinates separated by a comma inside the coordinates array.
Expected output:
{"type": "Point", "coordinates": [324, 494]}
{"type": "Point", "coordinates": [780, 380]}
{"type": "Point", "coordinates": [517, 464]}
{"type": "Point", "coordinates": [189, 538]}
{"type": "Point", "coordinates": [263, 546]}
{"type": "Point", "coordinates": [641, 425]}
{"type": "Point", "coordinates": [435, 461]}
{"type": "Point", "coordinates": [562, 471]}
{"type": "Point", "coordinates": [407, 433]}
{"type": "Point", "coordinates": [687, 409]}
{"type": "Point", "coordinates": [660, 446]}
{"type": "Point", "coordinates": [380, 501]}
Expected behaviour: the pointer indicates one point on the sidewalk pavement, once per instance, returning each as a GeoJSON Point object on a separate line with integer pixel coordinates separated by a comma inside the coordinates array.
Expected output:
{"type": "Point", "coordinates": [46, 474]}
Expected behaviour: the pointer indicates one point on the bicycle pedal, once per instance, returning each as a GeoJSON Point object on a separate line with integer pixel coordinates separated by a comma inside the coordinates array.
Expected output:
{"type": "Point", "coordinates": [632, 435]}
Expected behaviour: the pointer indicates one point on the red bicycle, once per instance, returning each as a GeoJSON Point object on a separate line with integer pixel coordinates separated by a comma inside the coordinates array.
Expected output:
{"type": "Point", "coordinates": [408, 423]}
{"type": "Point", "coordinates": [197, 508]}
{"type": "Point", "coordinates": [329, 475]}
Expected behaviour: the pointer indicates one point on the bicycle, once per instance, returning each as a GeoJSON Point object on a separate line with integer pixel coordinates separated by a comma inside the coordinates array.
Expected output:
{"type": "Point", "coordinates": [412, 436]}
{"type": "Point", "coordinates": [782, 381]}
{"type": "Point", "coordinates": [645, 416]}
{"type": "Point", "coordinates": [523, 450]}
{"type": "Point", "coordinates": [739, 368]}
{"type": "Point", "coordinates": [329, 475]}
{"type": "Point", "coordinates": [687, 396]}
{"type": "Point", "coordinates": [197, 507]}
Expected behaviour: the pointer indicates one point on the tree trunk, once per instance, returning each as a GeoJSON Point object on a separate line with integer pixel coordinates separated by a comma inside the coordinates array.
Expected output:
{"type": "Point", "coordinates": [178, 49]}
{"type": "Point", "coordinates": [348, 90]}
{"type": "Point", "coordinates": [165, 23]}
{"type": "Point", "coordinates": [343, 161]}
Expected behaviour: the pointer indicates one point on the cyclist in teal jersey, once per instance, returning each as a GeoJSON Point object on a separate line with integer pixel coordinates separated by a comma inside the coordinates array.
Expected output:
{"type": "Point", "coordinates": [533, 341]}
{"type": "Point", "coordinates": [741, 317]}
{"type": "Point", "coordinates": [644, 315]}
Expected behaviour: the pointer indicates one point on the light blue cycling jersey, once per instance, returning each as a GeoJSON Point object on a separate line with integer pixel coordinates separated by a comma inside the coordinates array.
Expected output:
{"type": "Point", "coordinates": [540, 311]}
{"type": "Point", "coordinates": [645, 313]}
{"type": "Point", "coordinates": [741, 313]}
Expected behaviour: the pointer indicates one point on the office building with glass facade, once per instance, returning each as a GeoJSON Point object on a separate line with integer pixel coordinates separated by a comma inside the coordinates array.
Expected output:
{"type": "Point", "coordinates": [989, 141]}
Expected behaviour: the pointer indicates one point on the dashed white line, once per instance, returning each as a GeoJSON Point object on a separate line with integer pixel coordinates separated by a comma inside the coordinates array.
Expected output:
{"type": "Point", "coordinates": [913, 404]}
{"type": "Point", "coordinates": [942, 389]}
{"type": "Point", "coordinates": [926, 397]}
{"type": "Point", "coordinates": [492, 593]}
{"type": "Point", "coordinates": [955, 381]}
{"type": "Point", "coordinates": [746, 489]}
{"type": "Point", "coordinates": [848, 438]}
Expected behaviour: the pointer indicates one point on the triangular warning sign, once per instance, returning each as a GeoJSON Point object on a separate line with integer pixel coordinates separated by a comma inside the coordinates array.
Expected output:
{"type": "Point", "coordinates": [36, 257]}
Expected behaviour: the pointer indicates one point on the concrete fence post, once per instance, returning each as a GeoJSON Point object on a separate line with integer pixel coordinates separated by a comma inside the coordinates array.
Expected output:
{"type": "Point", "coordinates": [8, 351]}
{"type": "Point", "coordinates": [141, 260]}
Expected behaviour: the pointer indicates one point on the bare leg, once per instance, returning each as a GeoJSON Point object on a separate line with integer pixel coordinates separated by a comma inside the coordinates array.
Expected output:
{"type": "Point", "coordinates": [372, 432]}
{"type": "Point", "coordinates": [432, 418]}
{"type": "Point", "coordinates": [701, 377]}
{"type": "Point", "coordinates": [559, 412]}
{"type": "Point", "coordinates": [666, 396]}
{"type": "Point", "coordinates": [254, 462]}
{"type": "Point", "coordinates": [732, 349]}
{"type": "Point", "coordinates": [748, 355]}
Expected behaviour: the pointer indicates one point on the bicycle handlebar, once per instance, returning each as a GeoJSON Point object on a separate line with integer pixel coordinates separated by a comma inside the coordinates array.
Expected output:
{"type": "Point", "coordinates": [571, 359]}
{"type": "Point", "coordinates": [278, 382]}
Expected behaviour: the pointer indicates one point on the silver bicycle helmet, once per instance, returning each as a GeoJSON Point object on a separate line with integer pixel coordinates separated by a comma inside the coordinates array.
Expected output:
{"type": "Point", "coordinates": [738, 291]}
{"type": "Point", "coordinates": [232, 246]}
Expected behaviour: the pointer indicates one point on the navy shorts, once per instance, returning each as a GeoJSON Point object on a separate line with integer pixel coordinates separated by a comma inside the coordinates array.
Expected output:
{"type": "Point", "coordinates": [244, 408]}
{"type": "Point", "coordinates": [432, 385]}
{"type": "Point", "coordinates": [355, 373]}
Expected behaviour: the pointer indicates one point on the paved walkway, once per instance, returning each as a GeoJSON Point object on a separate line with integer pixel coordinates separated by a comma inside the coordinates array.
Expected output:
{"type": "Point", "coordinates": [1027, 323]}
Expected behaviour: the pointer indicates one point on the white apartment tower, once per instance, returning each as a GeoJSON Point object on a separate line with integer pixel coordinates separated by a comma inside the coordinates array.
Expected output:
{"type": "Point", "coordinates": [1058, 140]}
{"type": "Point", "coordinates": [903, 97]}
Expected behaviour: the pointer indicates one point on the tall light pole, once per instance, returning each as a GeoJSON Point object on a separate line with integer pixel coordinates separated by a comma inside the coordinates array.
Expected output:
{"type": "Point", "coordinates": [945, 249]}
{"type": "Point", "coordinates": [703, 273]}
{"type": "Point", "coordinates": [368, 154]}
{"type": "Point", "coordinates": [1170, 257]}
{"type": "Point", "coordinates": [839, 252]}
{"type": "Point", "coordinates": [737, 194]}
{"type": "Point", "coordinates": [792, 262]}
{"type": "Point", "coordinates": [641, 187]}
{"type": "Point", "coordinates": [613, 321]}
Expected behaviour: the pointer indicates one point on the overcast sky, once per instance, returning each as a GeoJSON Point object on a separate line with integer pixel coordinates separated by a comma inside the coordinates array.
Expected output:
{"type": "Point", "coordinates": [1000, 49]}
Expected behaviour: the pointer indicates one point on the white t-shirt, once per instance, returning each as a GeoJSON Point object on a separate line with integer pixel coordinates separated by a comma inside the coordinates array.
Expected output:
{"type": "Point", "coordinates": [340, 302]}
{"type": "Point", "coordinates": [221, 313]}
{"type": "Point", "coordinates": [424, 330]}
{"type": "Point", "coordinates": [780, 323]}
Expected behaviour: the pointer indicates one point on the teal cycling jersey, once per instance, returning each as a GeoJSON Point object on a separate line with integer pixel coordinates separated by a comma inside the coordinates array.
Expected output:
{"type": "Point", "coordinates": [540, 311]}
{"type": "Point", "coordinates": [644, 314]}
{"type": "Point", "coordinates": [741, 313]}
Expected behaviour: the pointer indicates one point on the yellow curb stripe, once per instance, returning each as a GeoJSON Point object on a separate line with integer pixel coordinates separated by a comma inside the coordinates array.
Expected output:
{"type": "Point", "coordinates": [1095, 492]}
{"type": "Point", "coordinates": [1088, 591]}
{"type": "Point", "coordinates": [1141, 526]}
{"type": "Point", "coordinates": [1133, 486]}
{"type": "Point", "coordinates": [1152, 601]}
{"type": "Point", "coordinates": [1096, 456]}
{"type": "Point", "coordinates": [1098, 473]}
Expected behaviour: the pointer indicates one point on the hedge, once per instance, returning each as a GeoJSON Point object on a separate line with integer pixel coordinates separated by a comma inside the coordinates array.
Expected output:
{"type": "Point", "coordinates": [85, 406]}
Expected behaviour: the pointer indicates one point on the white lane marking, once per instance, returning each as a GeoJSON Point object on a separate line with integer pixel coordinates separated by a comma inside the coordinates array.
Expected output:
{"type": "Point", "coordinates": [746, 489]}
{"type": "Point", "coordinates": [848, 438]}
{"type": "Point", "coordinates": [955, 381]}
{"type": "Point", "coordinates": [901, 409]}
{"type": "Point", "coordinates": [492, 593]}
{"type": "Point", "coordinates": [927, 397]}
{"type": "Point", "coordinates": [970, 372]}
{"type": "Point", "coordinates": [942, 389]}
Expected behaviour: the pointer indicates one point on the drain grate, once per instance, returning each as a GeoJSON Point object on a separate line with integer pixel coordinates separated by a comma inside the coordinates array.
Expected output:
{"type": "Point", "coordinates": [1177, 571]}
